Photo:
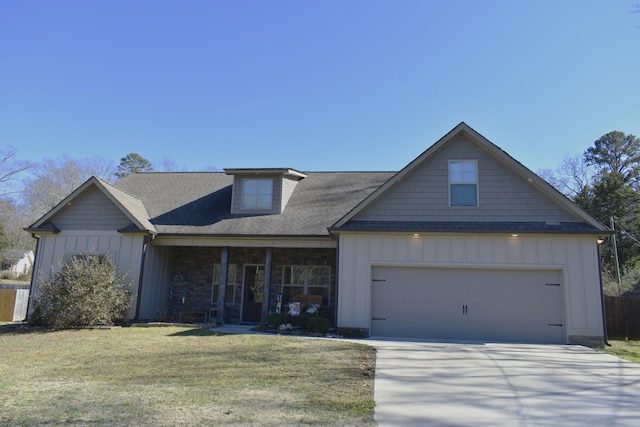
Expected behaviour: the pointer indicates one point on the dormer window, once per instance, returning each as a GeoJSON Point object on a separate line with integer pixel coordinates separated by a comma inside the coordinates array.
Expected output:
{"type": "Point", "coordinates": [463, 183]}
{"type": "Point", "coordinates": [262, 191]}
{"type": "Point", "coordinates": [257, 193]}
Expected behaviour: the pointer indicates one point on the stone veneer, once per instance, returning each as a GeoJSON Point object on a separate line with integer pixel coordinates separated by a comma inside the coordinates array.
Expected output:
{"type": "Point", "coordinates": [191, 277]}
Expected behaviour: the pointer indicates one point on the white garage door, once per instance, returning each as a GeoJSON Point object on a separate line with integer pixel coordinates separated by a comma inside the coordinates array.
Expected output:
{"type": "Point", "coordinates": [468, 304]}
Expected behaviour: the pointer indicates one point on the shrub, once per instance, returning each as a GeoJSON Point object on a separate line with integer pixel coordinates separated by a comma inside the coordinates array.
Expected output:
{"type": "Point", "coordinates": [317, 325]}
{"type": "Point", "coordinates": [351, 333]}
{"type": "Point", "coordinates": [275, 319]}
{"type": "Point", "coordinates": [86, 291]}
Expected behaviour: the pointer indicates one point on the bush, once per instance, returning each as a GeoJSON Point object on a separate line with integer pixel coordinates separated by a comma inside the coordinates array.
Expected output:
{"type": "Point", "coordinates": [275, 319]}
{"type": "Point", "coordinates": [86, 291]}
{"type": "Point", "coordinates": [317, 325]}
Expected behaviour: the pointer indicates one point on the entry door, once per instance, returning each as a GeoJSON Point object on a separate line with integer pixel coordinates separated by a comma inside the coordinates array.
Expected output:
{"type": "Point", "coordinates": [253, 293]}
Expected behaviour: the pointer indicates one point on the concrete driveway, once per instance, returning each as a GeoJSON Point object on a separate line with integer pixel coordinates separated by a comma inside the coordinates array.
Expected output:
{"type": "Point", "coordinates": [487, 384]}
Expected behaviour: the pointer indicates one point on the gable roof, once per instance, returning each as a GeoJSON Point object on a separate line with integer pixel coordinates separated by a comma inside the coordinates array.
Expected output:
{"type": "Point", "coordinates": [130, 206]}
{"type": "Point", "coordinates": [584, 222]}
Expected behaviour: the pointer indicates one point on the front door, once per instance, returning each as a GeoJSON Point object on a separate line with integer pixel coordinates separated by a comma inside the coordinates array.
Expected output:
{"type": "Point", "coordinates": [253, 293]}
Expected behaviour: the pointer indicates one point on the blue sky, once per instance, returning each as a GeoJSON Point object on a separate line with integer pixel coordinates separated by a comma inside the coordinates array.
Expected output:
{"type": "Point", "coordinates": [314, 85]}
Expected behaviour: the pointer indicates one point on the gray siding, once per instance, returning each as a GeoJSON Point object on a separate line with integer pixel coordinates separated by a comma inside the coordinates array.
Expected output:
{"type": "Point", "coordinates": [53, 250]}
{"type": "Point", "coordinates": [155, 284]}
{"type": "Point", "coordinates": [91, 210]}
{"type": "Point", "coordinates": [288, 185]}
{"type": "Point", "coordinates": [503, 195]}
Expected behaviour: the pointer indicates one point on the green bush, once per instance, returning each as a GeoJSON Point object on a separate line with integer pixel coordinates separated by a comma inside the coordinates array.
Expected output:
{"type": "Point", "coordinates": [317, 325]}
{"type": "Point", "coordinates": [275, 319]}
{"type": "Point", "coordinates": [86, 291]}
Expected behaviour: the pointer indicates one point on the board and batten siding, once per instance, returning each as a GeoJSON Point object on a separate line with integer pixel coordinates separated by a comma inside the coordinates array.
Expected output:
{"type": "Point", "coordinates": [503, 195]}
{"type": "Point", "coordinates": [91, 210]}
{"type": "Point", "coordinates": [576, 257]}
{"type": "Point", "coordinates": [155, 282]}
{"type": "Point", "coordinates": [55, 249]}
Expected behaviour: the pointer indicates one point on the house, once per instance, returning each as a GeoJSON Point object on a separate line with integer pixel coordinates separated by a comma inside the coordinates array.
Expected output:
{"type": "Point", "coordinates": [16, 261]}
{"type": "Point", "coordinates": [462, 243]}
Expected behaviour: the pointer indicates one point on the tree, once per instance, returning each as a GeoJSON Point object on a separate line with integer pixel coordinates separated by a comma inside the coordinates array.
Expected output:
{"type": "Point", "coordinates": [131, 163]}
{"type": "Point", "coordinates": [10, 168]}
{"type": "Point", "coordinates": [571, 178]}
{"type": "Point", "coordinates": [616, 152]}
{"type": "Point", "coordinates": [3, 240]}
{"type": "Point", "coordinates": [53, 180]}
{"type": "Point", "coordinates": [86, 291]}
{"type": "Point", "coordinates": [614, 194]}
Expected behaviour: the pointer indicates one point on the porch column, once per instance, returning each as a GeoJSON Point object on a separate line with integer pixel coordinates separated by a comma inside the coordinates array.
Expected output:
{"type": "Point", "coordinates": [267, 286]}
{"type": "Point", "coordinates": [222, 291]}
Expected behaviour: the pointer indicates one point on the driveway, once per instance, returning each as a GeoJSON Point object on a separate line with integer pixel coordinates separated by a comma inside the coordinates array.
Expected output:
{"type": "Point", "coordinates": [487, 384]}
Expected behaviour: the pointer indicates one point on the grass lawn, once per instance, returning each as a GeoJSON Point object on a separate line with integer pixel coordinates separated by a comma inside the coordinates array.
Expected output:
{"type": "Point", "coordinates": [629, 350]}
{"type": "Point", "coordinates": [181, 376]}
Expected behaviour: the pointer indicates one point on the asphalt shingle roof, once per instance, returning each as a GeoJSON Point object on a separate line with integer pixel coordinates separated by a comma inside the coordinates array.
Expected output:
{"type": "Point", "coordinates": [198, 203]}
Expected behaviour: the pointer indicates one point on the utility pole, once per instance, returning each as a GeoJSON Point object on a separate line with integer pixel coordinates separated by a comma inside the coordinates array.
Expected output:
{"type": "Point", "coordinates": [615, 255]}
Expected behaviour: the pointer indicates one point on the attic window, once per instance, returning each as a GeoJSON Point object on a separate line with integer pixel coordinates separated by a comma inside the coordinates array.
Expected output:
{"type": "Point", "coordinates": [463, 183]}
{"type": "Point", "coordinates": [257, 193]}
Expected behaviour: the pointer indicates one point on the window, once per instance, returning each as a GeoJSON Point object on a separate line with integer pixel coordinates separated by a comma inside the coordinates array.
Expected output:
{"type": "Point", "coordinates": [230, 294]}
{"type": "Point", "coordinates": [306, 280]}
{"type": "Point", "coordinates": [463, 183]}
{"type": "Point", "coordinates": [257, 193]}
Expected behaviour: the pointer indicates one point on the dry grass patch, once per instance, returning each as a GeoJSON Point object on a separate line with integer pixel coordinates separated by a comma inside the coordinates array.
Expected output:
{"type": "Point", "coordinates": [181, 376]}
{"type": "Point", "coordinates": [629, 350]}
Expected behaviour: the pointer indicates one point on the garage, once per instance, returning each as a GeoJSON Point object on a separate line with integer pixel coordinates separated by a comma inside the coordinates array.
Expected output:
{"type": "Point", "coordinates": [511, 305]}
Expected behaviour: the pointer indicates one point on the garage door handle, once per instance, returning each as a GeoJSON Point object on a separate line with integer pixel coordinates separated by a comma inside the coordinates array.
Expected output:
{"type": "Point", "coordinates": [378, 318]}
{"type": "Point", "coordinates": [554, 324]}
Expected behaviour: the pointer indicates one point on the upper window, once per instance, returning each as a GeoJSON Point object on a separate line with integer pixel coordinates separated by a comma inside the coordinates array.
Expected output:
{"type": "Point", "coordinates": [257, 193]}
{"type": "Point", "coordinates": [463, 183]}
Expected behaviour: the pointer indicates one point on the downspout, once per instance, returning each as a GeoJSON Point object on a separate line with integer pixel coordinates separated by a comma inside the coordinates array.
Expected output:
{"type": "Point", "coordinates": [604, 314]}
{"type": "Point", "coordinates": [145, 243]}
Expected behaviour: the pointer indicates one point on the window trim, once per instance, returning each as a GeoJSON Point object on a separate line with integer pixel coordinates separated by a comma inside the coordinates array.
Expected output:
{"type": "Point", "coordinates": [255, 197]}
{"type": "Point", "coordinates": [451, 182]}
{"type": "Point", "coordinates": [306, 285]}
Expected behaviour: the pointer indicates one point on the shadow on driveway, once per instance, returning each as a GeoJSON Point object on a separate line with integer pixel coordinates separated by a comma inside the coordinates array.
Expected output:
{"type": "Point", "coordinates": [490, 384]}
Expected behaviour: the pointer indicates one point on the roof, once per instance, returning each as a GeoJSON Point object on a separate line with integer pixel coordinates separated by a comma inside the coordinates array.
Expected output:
{"type": "Point", "coordinates": [130, 205]}
{"type": "Point", "coordinates": [471, 226]}
{"type": "Point", "coordinates": [497, 153]}
{"type": "Point", "coordinates": [199, 203]}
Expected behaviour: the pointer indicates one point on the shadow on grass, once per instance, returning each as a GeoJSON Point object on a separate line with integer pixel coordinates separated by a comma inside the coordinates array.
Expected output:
{"type": "Point", "coordinates": [199, 332]}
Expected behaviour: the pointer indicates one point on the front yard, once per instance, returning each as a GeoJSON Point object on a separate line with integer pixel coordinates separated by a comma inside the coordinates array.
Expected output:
{"type": "Point", "coordinates": [181, 376]}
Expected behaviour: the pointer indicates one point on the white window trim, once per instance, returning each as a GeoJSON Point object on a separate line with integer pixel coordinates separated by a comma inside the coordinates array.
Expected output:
{"type": "Point", "coordinates": [257, 194]}
{"type": "Point", "coordinates": [450, 183]}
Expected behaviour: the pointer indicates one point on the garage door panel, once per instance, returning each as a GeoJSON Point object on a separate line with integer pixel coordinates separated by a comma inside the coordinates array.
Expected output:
{"type": "Point", "coordinates": [478, 304]}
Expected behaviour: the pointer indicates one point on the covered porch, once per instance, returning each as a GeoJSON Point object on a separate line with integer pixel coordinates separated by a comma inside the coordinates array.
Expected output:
{"type": "Point", "coordinates": [234, 284]}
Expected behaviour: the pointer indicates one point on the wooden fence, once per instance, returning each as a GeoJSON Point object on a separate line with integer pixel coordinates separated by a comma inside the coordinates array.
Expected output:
{"type": "Point", "coordinates": [623, 317]}
{"type": "Point", "coordinates": [13, 304]}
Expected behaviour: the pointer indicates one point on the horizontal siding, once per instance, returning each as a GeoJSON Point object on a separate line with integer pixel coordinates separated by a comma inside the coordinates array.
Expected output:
{"type": "Point", "coordinates": [576, 257]}
{"type": "Point", "coordinates": [288, 185]}
{"type": "Point", "coordinates": [91, 210]}
{"type": "Point", "coordinates": [423, 195]}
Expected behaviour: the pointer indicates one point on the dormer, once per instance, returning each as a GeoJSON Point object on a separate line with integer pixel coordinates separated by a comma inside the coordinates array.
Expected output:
{"type": "Point", "coordinates": [262, 191]}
